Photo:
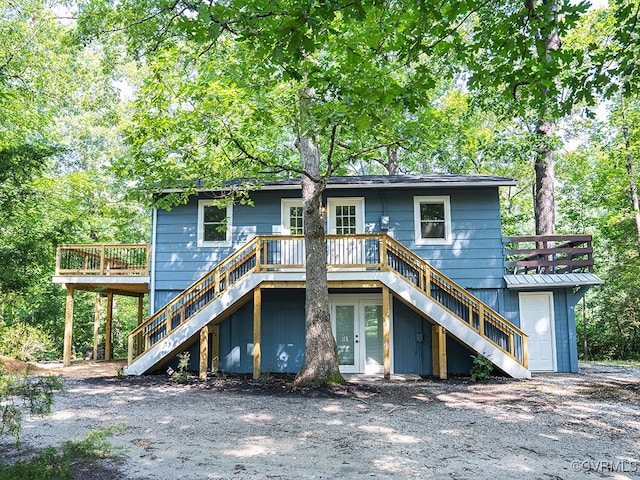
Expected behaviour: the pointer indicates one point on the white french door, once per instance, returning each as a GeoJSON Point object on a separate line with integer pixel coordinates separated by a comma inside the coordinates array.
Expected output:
{"type": "Point", "coordinates": [345, 216]}
{"type": "Point", "coordinates": [292, 252]}
{"type": "Point", "coordinates": [358, 330]}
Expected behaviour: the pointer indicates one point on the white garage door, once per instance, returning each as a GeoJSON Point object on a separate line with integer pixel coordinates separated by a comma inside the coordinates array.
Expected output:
{"type": "Point", "coordinates": [536, 319]}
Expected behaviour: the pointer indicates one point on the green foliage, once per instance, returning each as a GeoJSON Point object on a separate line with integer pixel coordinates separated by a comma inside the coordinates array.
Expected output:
{"type": "Point", "coordinates": [182, 374]}
{"type": "Point", "coordinates": [25, 342]}
{"type": "Point", "coordinates": [61, 463]}
{"type": "Point", "coordinates": [481, 369]}
{"type": "Point", "coordinates": [20, 395]}
{"type": "Point", "coordinates": [58, 114]}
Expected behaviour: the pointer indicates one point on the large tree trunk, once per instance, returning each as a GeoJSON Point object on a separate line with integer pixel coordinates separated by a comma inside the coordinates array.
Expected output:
{"type": "Point", "coordinates": [544, 208]}
{"type": "Point", "coordinates": [635, 203]}
{"type": "Point", "coordinates": [393, 167]}
{"type": "Point", "coordinates": [320, 364]}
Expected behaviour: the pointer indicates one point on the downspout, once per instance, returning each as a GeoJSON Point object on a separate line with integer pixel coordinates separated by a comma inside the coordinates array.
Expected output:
{"type": "Point", "coordinates": [152, 270]}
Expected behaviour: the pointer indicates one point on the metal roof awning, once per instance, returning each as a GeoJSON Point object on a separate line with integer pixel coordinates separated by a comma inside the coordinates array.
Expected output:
{"type": "Point", "coordinates": [556, 280]}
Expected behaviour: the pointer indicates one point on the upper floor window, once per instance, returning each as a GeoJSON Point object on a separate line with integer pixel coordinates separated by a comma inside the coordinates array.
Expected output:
{"type": "Point", "coordinates": [292, 217]}
{"type": "Point", "coordinates": [345, 216]}
{"type": "Point", "coordinates": [432, 217]}
{"type": "Point", "coordinates": [214, 224]}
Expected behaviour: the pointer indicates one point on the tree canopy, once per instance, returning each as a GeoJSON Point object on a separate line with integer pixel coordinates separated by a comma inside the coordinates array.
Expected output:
{"type": "Point", "coordinates": [101, 109]}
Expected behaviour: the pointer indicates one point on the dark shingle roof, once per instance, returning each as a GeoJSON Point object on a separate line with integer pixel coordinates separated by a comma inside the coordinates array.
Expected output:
{"type": "Point", "coordinates": [377, 181]}
{"type": "Point", "coordinates": [422, 180]}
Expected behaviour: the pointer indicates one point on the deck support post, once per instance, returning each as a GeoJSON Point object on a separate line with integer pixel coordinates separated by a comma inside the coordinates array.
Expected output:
{"type": "Point", "coordinates": [96, 328]}
{"type": "Point", "coordinates": [107, 335]}
{"type": "Point", "coordinates": [257, 310]}
{"type": "Point", "coordinates": [386, 331]}
{"type": "Point", "coordinates": [204, 351]}
{"type": "Point", "coordinates": [215, 347]}
{"type": "Point", "coordinates": [68, 328]}
{"type": "Point", "coordinates": [439, 351]}
{"type": "Point", "coordinates": [140, 309]}
{"type": "Point", "coordinates": [140, 320]}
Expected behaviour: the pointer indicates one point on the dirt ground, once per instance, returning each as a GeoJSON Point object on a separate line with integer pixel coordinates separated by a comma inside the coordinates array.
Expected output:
{"type": "Point", "coordinates": [555, 426]}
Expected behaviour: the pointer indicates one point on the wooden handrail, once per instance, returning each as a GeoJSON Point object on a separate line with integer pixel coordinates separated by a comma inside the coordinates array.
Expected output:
{"type": "Point", "coordinates": [211, 284]}
{"type": "Point", "coordinates": [103, 259]}
{"type": "Point", "coordinates": [476, 308]}
{"type": "Point", "coordinates": [573, 255]}
{"type": "Point", "coordinates": [377, 252]}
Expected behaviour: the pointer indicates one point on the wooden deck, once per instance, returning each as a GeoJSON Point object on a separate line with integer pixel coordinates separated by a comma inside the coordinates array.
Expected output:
{"type": "Point", "coordinates": [124, 269]}
{"type": "Point", "coordinates": [108, 270]}
{"type": "Point", "coordinates": [548, 254]}
{"type": "Point", "coordinates": [121, 269]}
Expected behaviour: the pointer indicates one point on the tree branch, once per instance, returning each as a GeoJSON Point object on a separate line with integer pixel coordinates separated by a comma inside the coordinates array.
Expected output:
{"type": "Point", "coordinates": [272, 168]}
{"type": "Point", "coordinates": [330, 154]}
{"type": "Point", "coordinates": [362, 151]}
{"type": "Point", "coordinates": [464, 19]}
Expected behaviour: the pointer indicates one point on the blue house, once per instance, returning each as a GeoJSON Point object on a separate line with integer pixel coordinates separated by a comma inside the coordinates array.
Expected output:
{"type": "Point", "coordinates": [420, 278]}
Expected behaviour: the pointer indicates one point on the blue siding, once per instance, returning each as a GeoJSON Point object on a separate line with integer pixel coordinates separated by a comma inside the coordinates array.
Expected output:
{"type": "Point", "coordinates": [564, 302]}
{"type": "Point", "coordinates": [236, 341]}
{"type": "Point", "coordinates": [282, 348]}
{"type": "Point", "coordinates": [282, 330]}
{"type": "Point", "coordinates": [459, 358]}
{"type": "Point", "coordinates": [411, 341]}
{"type": "Point", "coordinates": [474, 259]}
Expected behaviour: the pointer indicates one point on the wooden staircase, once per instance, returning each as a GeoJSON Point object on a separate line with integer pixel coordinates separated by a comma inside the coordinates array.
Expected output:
{"type": "Point", "coordinates": [375, 258]}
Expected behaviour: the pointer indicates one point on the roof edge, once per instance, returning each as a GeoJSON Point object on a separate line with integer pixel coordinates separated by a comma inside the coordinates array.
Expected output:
{"type": "Point", "coordinates": [556, 280]}
{"type": "Point", "coordinates": [374, 181]}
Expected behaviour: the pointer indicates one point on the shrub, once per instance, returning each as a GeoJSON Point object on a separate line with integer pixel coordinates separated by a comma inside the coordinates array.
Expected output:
{"type": "Point", "coordinates": [24, 394]}
{"type": "Point", "coordinates": [24, 342]}
{"type": "Point", "coordinates": [481, 369]}
{"type": "Point", "coordinates": [182, 375]}
{"type": "Point", "coordinates": [61, 463]}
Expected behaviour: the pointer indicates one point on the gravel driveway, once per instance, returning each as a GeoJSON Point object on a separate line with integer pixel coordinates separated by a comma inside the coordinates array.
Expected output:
{"type": "Point", "coordinates": [553, 426]}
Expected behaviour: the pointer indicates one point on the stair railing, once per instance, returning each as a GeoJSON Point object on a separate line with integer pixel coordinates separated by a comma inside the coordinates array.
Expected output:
{"type": "Point", "coordinates": [368, 252]}
{"type": "Point", "coordinates": [463, 305]}
{"type": "Point", "coordinates": [197, 296]}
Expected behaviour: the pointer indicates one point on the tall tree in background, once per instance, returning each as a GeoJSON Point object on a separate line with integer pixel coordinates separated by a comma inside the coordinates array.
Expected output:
{"type": "Point", "coordinates": [58, 117]}
{"type": "Point", "coordinates": [516, 49]}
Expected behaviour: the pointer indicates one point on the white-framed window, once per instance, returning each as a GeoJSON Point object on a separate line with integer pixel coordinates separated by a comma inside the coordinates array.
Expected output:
{"type": "Point", "coordinates": [432, 218]}
{"type": "Point", "coordinates": [214, 224]}
{"type": "Point", "coordinates": [292, 219]}
{"type": "Point", "coordinates": [345, 216]}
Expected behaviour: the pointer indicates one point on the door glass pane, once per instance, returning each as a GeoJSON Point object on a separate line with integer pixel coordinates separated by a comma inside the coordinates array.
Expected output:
{"type": "Point", "coordinates": [345, 317]}
{"type": "Point", "coordinates": [345, 218]}
{"type": "Point", "coordinates": [295, 220]}
{"type": "Point", "coordinates": [373, 334]}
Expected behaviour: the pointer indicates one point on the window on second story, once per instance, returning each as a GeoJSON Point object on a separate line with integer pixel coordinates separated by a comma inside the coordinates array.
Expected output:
{"type": "Point", "coordinates": [432, 216]}
{"type": "Point", "coordinates": [345, 216]}
{"type": "Point", "coordinates": [214, 224]}
{"type": "Point", "coordinates": [292, 217]}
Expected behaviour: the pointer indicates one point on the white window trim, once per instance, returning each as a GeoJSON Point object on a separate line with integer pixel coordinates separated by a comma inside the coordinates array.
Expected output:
{"type": "Point", "coordinates": [359, 204]}
{"type": "Point", "coordinates": [201, 241]}
{"type": "Point", "coordinates": [446, 201]}
{"type": "Point", "coordinates": [285, 227]}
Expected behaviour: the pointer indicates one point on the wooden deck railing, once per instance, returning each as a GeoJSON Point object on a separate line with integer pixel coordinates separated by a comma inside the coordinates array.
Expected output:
{"type": "Point", "coordinates": [549, 254]}
{"type": "Point", "coordinates": [109, 260]}
{"type": "Point", "coordinates": [353, 252]}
